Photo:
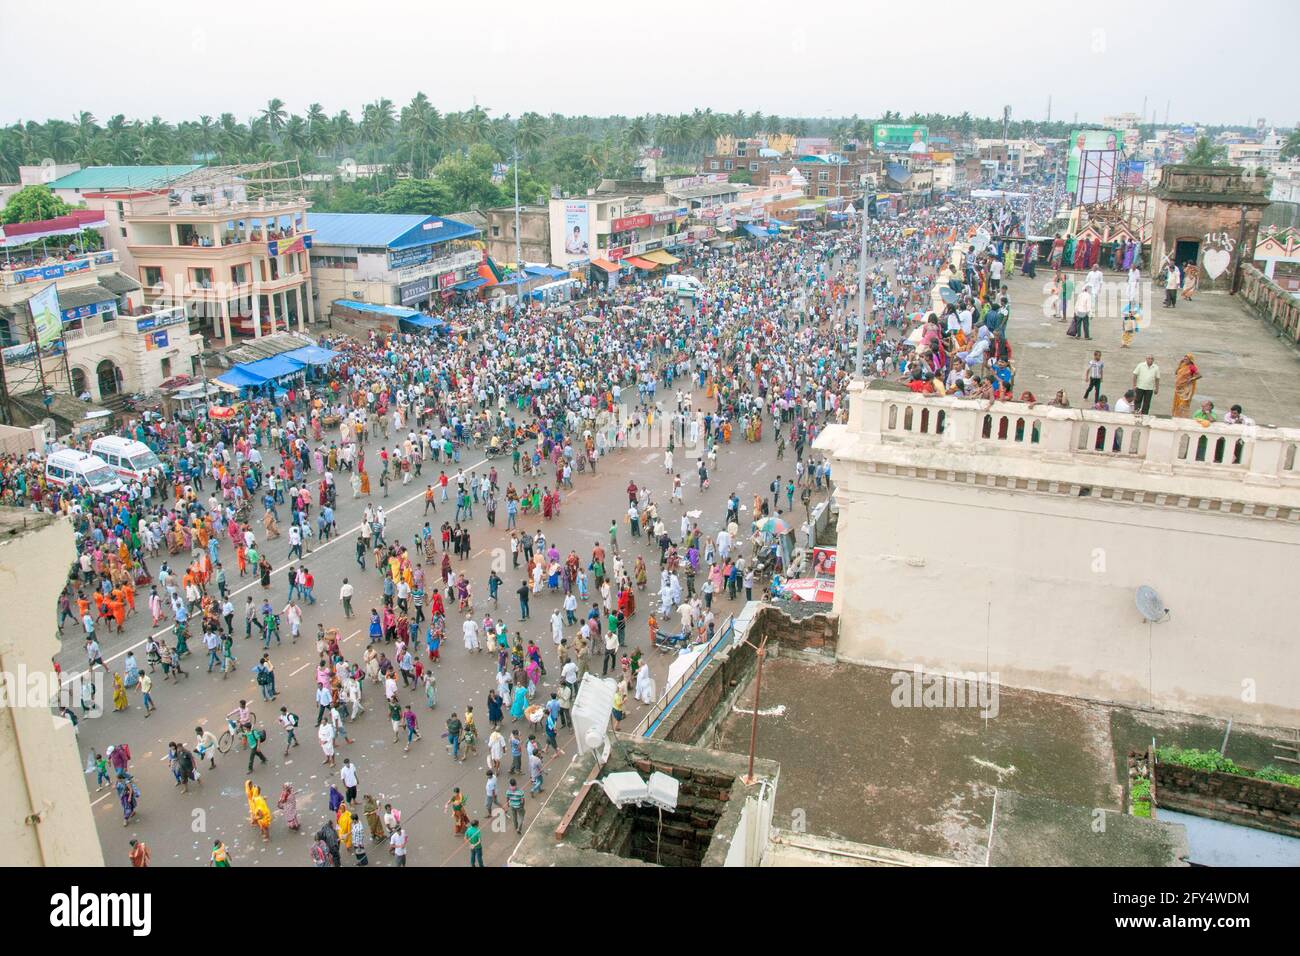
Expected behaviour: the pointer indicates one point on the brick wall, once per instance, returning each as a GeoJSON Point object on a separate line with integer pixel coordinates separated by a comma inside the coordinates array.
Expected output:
{"type": "Point", "coordinates": [1234, 799]}
{"type": "Point", "coordinates": [818, 632]}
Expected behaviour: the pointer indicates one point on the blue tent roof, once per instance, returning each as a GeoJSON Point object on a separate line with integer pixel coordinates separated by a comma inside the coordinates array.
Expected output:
{"type": "Point", "coordinates": [276, 366]}
{"type": "Point", "coordinates": [549, 271]}
{"type": "Point", "coordinates": [312, 355]}
{"type": "Point", "coordinates": [759, 232]}
{"type": "Point", "coordinates": [391, 311]}
{"type": "Point", "coordinates": [425, 322]}
{"type": "Point", "coordinates": [240, 377]}
{"type": "Point", "coordinates": [468, 284]}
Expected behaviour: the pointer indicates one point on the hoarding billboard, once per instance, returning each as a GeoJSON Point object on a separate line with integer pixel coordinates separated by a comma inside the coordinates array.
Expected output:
{"type": "Point", "coordinates": [1096, 141]}
{"type": "Point", "coordinates": [577, 241]}
{"type": "Point", "coordinates": [899, 136]}
{"type": "Point", "coordinates": [45, 314]}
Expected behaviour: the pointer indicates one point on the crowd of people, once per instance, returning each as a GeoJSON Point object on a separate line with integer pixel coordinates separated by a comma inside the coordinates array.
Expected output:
{"type": "Point", "coordinates": [762, 355]}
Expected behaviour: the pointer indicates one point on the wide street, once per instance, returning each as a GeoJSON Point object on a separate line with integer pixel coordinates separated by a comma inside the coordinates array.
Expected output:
{"type": "Point", "coordinates": [180, 827]}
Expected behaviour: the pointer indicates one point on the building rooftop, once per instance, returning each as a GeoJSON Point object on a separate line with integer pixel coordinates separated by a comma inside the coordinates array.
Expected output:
{"type": "Point", "coordinates": [924, 780]}
{"type": "Point", "coordinates": [1240, 357]}
{"type": "Point", "coordinates": [385, 230]}
{"type": "Point", "coordinates": [123, 177]}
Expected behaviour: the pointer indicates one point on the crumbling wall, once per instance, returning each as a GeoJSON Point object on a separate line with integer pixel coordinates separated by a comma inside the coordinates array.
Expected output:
{"type": "Point", "coordinates": [1248, 801]}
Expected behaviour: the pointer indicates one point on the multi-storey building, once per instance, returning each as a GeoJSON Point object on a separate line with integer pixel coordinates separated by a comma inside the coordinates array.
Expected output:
{"type": "Point", "coordinates": [382, 259]}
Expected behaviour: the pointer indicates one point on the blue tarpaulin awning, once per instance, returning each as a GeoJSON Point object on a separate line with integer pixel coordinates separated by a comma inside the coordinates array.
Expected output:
{"type": "Point", "coordinates": [276, 366]}
{"type": "Point", "coordinates": [424, 322]}
{"type": "Point", "coordinates": [549, 271]}
{"type": "Point", "coordinates": [312, 355]}
{"type": "Point", "coordinates": [240, 377]}
{"type": "Point", "coordinates": [468, 284]}
{"type": "Point", "coordinates": [758, 232]}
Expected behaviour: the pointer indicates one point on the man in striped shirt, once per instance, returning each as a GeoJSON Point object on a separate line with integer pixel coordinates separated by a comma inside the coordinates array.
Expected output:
{"type": "Point", "coordinates": [515, 801]}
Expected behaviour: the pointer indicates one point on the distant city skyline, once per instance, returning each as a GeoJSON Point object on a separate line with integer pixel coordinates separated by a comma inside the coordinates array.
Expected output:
{"type": "Point", "coordinates": [837, 60]}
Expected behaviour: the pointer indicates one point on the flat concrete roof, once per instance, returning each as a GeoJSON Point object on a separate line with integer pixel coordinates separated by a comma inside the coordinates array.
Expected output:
{"type": "Point", "coordinates": [925, 780]}
{"type": "Point", "coordinates": [1241, 359]}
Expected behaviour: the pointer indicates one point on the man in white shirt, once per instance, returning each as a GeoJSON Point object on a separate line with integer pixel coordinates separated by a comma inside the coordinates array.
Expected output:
{"type": "Point", "coordinates": [470, 629]}
{"type": "Point", "coordinates": [348, 773]}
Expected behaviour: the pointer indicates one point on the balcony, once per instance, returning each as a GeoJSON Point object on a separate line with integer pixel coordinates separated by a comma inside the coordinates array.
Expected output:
{"type": "Point", "coordinates": [1237, 469]}
{"type": "Point", "coordinates": [16, 274]}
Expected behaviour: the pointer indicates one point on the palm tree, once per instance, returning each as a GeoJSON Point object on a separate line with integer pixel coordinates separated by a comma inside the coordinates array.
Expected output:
{"type": "Point", "coordinates": [475, 125]}
{"type": "Point", "coordinates": [295, 135]}
{"type": "Point", "coordinates": [421, 125]}
{"type": "Point", "coordinates": [531, 133]}
{"type": "Point", "coordinates": [274, 114]}
{"type": "Point", "coordinates": [1291, 148]}
{"type": "Point", "coordinates": [636, 134]}
{"type": "Point", "coordinates": [205, 133]}
{"type": "Point", "coordinates": [343, 131]}
{"type": "Point", "coordinates": [1205, 153]}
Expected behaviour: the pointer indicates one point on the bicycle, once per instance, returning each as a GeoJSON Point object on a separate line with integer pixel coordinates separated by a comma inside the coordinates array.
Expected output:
{"type": "Point", "coordinates": [232, 728]}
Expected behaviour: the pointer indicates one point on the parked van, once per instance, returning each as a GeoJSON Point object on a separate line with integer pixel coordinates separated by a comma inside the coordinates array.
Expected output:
{"type": "Point", "coordinates": [132, 460]}
{"type": "Point", "coordinates": [68, 466]}
{"type": "Point", "coordinates": [683, 285]}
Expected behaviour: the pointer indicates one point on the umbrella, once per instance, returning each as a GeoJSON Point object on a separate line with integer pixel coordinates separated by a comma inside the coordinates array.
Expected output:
{"type": "Point", "coordinates": [948, 295]}
{"type": "Point", "coordinates": [774, 525]}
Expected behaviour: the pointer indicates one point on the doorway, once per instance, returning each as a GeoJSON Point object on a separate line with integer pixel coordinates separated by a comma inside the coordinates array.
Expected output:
{"type": "Point", "coordinates": [1185, 251]}
{"type": "Point", "coordinates": [110, 379]}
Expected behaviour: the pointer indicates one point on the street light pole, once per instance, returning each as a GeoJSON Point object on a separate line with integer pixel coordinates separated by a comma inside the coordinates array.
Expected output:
{"type": "Point", "coordinates": [519, 261]}
{"type": "Point", "coordinates": [862, 284]}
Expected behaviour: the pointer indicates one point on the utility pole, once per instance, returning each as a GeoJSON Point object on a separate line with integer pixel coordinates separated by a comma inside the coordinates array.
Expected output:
{"type": "Point", "coordinates": [862, 287]}
{"type": "Point", "coordinates": [519, 260]}
{"type": "Point", "coordinates": [1167, 102]}
{"type": "Point", "coordinates": [1049, 107]}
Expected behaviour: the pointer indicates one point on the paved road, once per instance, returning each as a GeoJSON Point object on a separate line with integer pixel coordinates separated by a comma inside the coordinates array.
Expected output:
{"type": "Point", "coordinates": [180, 827]}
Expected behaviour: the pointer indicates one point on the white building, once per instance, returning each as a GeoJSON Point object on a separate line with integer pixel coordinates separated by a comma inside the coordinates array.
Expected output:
{"type": "Point", "coordinates": [1008, 539]}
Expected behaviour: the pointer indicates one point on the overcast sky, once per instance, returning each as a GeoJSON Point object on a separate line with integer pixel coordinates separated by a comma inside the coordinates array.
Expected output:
{"type": "Point", "coordinates": [1215, 62]}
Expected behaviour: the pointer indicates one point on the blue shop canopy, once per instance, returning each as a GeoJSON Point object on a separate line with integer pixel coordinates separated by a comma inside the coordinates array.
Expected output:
{"type": "Point", "coordinates": [468, 284]}
{"type": "Point", "coordinates": [423, 322]}
{"type": "Point", "coordinates": [549, 271]}
{"type": "Point", "coordinates": [239, 377]}
{"type": "Point", "coordinates": [274, 367]}
{"type": "Point", "coordinates": [312, 355]}
{"type": "Point", "coordinates": [758, 232]}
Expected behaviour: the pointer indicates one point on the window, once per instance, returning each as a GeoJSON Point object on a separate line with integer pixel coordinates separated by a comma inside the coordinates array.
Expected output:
{"type": "Point", "coordinates": [239, 273]}
{"type": "Point", "coordinates": [496, 231]}
{"type": "Point", "coordinates": [202, 278]}
{"type": "Point", "coordinates": [123, 231]}
{"type": "Point", "coordinates": [727, 164]}
{"type": "Point", "coordinates": [753, 167]}
{"type": "Point", "coordinates": [823, 176]}
{"type": "Point", "coordinates": [166, 368]}
{"type": "Point", "coordinates": [153, 275]}
{"type": "Point", "coordinates": [713, 164]}
{"type": "Point", "coordinates": [823, 191]}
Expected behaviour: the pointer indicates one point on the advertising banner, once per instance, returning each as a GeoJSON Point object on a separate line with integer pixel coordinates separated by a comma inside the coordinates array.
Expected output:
{"type": "Point", "coordinates": [577, 241]}
{"type": "Point", "coordinates": [414, 291]}
{"type": "Point", "coordinates": [446, 280]}
{"type": "Point", "coordinates": [901, 136]}
{"type": "Point", "coordinates": [44, 306]}
{"type": "Point", "coordinates": [632, 222]}
{"type": "Point", "coordinates": [1089, 140]}
{"type": "Point", "coordinates": [823, 562]}
{"type": "Point", "coordinates": [283, 247]}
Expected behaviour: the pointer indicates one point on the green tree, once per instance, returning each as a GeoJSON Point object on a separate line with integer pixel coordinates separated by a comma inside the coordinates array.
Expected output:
{"type": "Point", "coordinates": [1291, 148]}
{"type": "Point", "coordinates": [426, 197]}
{"type": "Point", "coordinates": [33, 204]}
{"type": "Point", "coordinates": [1205, 153]}
{"type": "Point", "coordinates": [275, 114]}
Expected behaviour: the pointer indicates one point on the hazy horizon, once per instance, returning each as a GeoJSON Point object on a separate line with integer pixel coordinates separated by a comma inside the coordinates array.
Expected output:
{"type": "Point", "coordinates": [583, 58]}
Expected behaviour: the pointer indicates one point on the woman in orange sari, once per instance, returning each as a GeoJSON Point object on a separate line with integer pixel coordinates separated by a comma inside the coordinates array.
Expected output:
{"type": "Point", "coordinates": [1185, 380]}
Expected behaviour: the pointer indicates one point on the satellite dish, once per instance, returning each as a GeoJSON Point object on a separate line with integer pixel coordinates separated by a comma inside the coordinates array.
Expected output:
{"type": "Point", "coordinates": [1149, 604]}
